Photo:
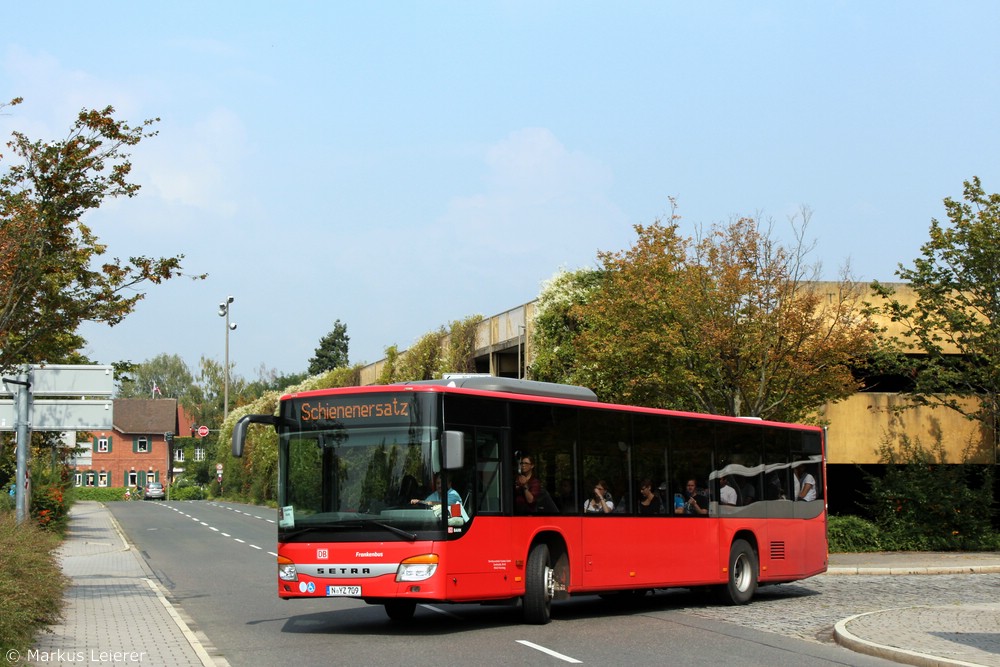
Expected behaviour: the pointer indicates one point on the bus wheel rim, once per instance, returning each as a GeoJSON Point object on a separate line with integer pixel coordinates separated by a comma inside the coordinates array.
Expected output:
{"type": "Point", "coordinates": [741, 573]}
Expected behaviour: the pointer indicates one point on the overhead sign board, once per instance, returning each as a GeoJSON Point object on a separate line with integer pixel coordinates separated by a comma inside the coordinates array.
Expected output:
{"type": "Point", "coordinates": [68, 380]}
{"type": "Point", "coordinates": [67, 415]}
{"type": "Point", "coordinates": [72, 380]}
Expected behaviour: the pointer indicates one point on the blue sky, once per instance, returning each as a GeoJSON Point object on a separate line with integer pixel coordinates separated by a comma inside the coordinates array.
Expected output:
{"type": "Point", "coordinates": [399, 165]}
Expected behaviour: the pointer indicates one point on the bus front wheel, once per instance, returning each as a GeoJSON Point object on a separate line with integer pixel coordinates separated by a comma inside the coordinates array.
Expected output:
{"type": "Point", "coordinates": [400, 610]}
{"type": "Point", "coordinates": [742, 582]}
{"type": "Point", "coordinates": [539, 586]}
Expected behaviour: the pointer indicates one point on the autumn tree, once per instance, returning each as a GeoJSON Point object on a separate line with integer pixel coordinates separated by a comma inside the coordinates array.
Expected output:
{"type": "Point", "coordinates": [52, 277]}
{"type": "Point", "coordinates": [951, 333]}
{"type": "Point", "coordinates": [729, 322]}
{"type": "Point", "coordinates": [332, 350]}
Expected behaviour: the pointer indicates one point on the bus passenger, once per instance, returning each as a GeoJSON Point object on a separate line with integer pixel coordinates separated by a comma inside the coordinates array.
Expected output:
{"type": "Point", "coordinates": [600, 502]}
{"type": "Point", "coordinates": [527, 487]}
{"type": "Point", "coordinates": [693, 501]}
{"type": "Point", "coordinates": [805, 484]}
{"type": "Point", "coordinates": [649, 502]}
{"type": "Point", "coordinates": [727, 494]}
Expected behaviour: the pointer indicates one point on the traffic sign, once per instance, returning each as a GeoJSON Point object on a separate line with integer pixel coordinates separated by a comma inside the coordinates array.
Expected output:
{"type": "Point", "coordinates": [61, 415]}
{"type": "Point", "coordinates": [202, 431]}
{"type": "Point", "coordinates": [218, 468]}
{"type": "Point", "coordinates": [70, 380]}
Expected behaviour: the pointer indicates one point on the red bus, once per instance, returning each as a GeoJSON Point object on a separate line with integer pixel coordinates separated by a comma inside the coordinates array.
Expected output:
{"type": "Point", "coordinates": [550, 493]}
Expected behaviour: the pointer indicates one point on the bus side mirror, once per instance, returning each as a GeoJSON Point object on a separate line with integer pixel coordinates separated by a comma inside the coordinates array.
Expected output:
{"type": "Point", "coordinates": [454, 450]}
{"type": "Point", "coordinates": [240, 430]}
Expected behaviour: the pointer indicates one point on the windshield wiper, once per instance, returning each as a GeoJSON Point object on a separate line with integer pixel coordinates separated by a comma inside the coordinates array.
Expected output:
{"type": "Point", "coordinates": [392, 529]}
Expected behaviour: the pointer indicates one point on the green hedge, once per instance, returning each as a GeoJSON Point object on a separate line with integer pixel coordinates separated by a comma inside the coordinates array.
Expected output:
{"type": "Point", "coordinates": [848, 534]}
{"type": "Point", "coordinates": [102, 494]}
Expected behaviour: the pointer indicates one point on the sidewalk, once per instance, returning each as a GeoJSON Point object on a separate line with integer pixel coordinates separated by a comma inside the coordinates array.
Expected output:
{"type": "Point", "coordinates": [117, 614]}
{"type": "Point", "coordinates": [924, 635]}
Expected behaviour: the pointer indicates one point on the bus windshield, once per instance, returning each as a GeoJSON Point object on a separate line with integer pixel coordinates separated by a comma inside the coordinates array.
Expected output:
{"type": "Point", "coordinates": [350, 480]}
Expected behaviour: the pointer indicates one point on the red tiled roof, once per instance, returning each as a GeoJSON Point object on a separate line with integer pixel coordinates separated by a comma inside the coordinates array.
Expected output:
{"type": "Point", "coordinates": [141, 415]}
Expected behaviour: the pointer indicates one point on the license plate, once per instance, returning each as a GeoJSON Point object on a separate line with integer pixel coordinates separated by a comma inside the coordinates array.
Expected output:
{"type": "Point", "coordinates": [343, 591]}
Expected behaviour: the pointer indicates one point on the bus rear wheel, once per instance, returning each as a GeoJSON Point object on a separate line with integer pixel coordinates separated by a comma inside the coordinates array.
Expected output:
{"type": "Point", "coordinates": [400, 610]}
{"type": "Point", "coordinates": [742, 583]}
{"type": "Point", "coordinates": [539, 586]}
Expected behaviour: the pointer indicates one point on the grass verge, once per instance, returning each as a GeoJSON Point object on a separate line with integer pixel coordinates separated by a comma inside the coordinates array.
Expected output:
{"type": "Point", "coordinates": [31, 583]}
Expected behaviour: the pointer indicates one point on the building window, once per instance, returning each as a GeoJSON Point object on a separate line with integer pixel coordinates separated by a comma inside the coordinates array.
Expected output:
{"type": "Point", "coordinates": [199, 453]}
{"type": "Point", "coordinates": [102, 479]}
{"type": "Point", "coordinates": [78, 479]}
{"type": "Point", "coordinates": [133, 479]}
{"type": "Point", "coordinates": [179, 455]}
{"type": "Point", "coordinates": [103, 445]}
{"type": "Point", "coordinates": [142, 444]}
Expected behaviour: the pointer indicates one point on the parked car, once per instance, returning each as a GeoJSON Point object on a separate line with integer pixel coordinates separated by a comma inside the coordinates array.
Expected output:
{"type": "Point", "coordinates": [153, 490]}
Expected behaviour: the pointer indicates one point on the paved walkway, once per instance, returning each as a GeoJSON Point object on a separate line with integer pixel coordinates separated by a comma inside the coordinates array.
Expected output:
{"type": "Point", "coordinates": [923, 635]}
{"type": "Point", "coordinates": [117, 614]}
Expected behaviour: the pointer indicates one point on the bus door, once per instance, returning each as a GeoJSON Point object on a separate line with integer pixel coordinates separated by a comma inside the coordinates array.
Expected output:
{"type": "Point", "coordinates": [481, 562]}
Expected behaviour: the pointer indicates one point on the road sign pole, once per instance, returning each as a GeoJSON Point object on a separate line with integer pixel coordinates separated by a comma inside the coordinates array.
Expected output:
{"type": "Point", "coordinates": [22, 496]}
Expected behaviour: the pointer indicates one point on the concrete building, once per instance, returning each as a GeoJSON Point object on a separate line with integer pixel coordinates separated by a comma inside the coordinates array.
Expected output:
{"type": "Point", "coordinates": [857, 425]}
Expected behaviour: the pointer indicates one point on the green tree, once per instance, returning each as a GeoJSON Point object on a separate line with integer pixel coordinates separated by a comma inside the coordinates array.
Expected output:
{"type": "Point", "coordinates": [730, 322]}
{"type": "Point", "coordinates": [163, 376]}
{"type": "Point", "coordinates": [389, 372]}
{"type": "Point", "coordinates": [460, 356]}
{"type": "Point", "coordinates": [332, 350]}
{"type": "Point", "coordinates": [51, 276]}
{"type": "Point", "coordinates": [208, 393]}
{"type": "Point", "coordinates": [423, 359]}
{"type": "Point", "coordinates": [268, 379]}
{"type": "Point", "coordinates": [951, 334]}
{"type": "Point", "coordinates": [557, 323]}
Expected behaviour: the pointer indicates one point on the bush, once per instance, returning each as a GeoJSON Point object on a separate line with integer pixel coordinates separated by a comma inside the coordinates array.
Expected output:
{"type": "Point", "coordinates": [31, 583]}
{"type": "Point", "coordinates": [922, 503]}
{"type": "Point", "coordinates": [50, 507]}
{"type": "Point", "coordinates": [186, 493]}
{"type": "Point", "coordinates": [848, 534]}
{"type": "Point", "coordinates": [7, 502]}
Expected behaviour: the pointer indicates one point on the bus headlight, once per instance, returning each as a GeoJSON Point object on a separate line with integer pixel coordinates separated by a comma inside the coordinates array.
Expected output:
{"type": "Point", "coordinates": [286, 570]}
{"type": "Point", "coordinates": [417, 568]}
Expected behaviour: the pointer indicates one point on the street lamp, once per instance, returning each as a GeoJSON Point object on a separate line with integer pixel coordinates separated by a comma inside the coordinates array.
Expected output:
{"type": "Point", "coordinates": [224, 312]}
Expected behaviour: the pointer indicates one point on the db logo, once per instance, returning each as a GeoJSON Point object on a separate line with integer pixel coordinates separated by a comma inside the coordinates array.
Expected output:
{"type": "Point", "coordinates": [322, 554]}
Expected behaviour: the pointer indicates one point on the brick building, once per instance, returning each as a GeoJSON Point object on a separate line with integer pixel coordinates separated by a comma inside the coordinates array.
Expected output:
{"type": "Point", "coordinates": [135, 450]}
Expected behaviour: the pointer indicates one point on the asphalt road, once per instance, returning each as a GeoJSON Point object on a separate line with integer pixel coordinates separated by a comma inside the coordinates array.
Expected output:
{"type": "Point", "coordinates": [218, 562]}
